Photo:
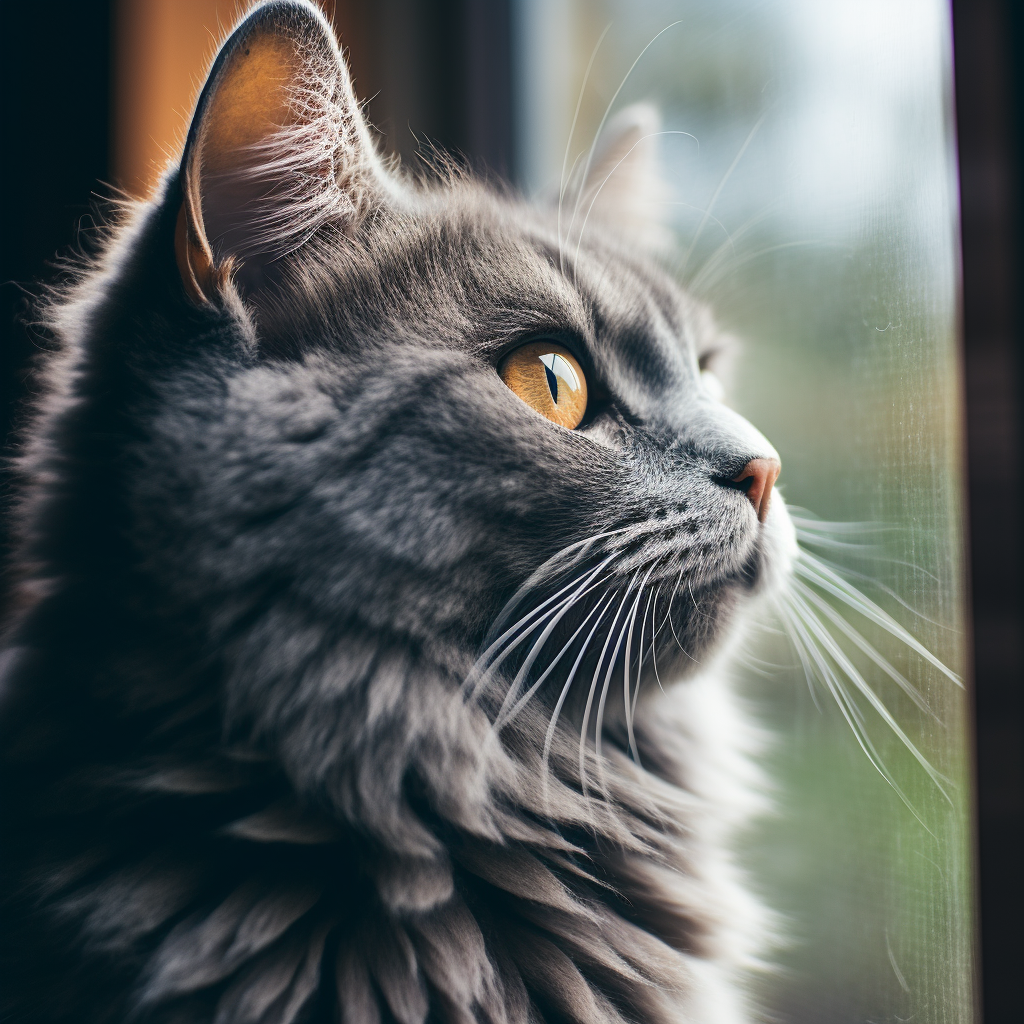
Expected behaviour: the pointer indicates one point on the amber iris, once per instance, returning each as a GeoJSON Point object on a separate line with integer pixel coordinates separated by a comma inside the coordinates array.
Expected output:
{"type": "Point", "coordinates": [546, 376]}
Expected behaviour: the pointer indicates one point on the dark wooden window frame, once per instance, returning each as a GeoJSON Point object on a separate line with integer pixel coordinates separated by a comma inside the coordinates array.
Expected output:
{"type": "Point", "coordinates": [988, 42]}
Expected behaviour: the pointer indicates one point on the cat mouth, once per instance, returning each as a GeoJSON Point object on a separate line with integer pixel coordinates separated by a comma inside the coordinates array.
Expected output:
{"type": "Point", "coordinates": [638, 610]}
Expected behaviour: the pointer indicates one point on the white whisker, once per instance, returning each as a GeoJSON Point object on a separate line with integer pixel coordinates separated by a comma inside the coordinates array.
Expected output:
{"type": "Point", "coordinates": [651, 598]}
{"type": "Point", "coordinates": [502, 719]}
{"type": "Point", "coordinates": [866, 551]}
{"type": "Point", "coordinates": [603, 605]}
{"type": "Point", "coordinates": [805, 520]}
{"type": "Point", "coordinates": [668, 609]}
{"type": "Point", "coordinates": [563, 181]}
{"type": "Point", "coordinates": [827, 644]}
{"type": "Point", "coordinates": [729, 243]}
{"type": "Point", "coordinates": [698, 281]}
{"type": "Point", "coordinates": [476, 677]}
{"type": "Point", "coordinates": [825, 578]}
{"type": "Point", "coordinates": [691, 206]}
{"type": "Point", "coordinates": [807, 594]}
{"type": "Point", "coordinates": [593, 684]}
{"type": "Point", "coordinates": [597, 191]}
{"type": "Point", "coordinates": [654, 650]}
{"type": "Point", "coordinates": [551, 567]}
{"type": "Point", "coordinates": [809, 674]}
{"type": "Point", "coordinates": [672, 625]}
{"type": "Point", "coordinates": [539, 643]}
{"type": "Point", "coordinates": [718, 191]}
{"type": "Point", "coordinates": [823, 540]}
{"type": "Point", "coordinates": [603, 122]}
{"type": "Point", "coordinates": [502, 648]}
{"type": "Point", "coordinates": [605, 688]}
{"type": "Point", "coordinates": [848, 709]}
{"type": "Point", "coordinates": [627, 703]}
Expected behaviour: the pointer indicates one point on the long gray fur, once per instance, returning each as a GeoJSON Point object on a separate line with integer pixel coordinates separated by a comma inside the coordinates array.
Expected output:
{"type": "Point", "coordinates": [256, 768]}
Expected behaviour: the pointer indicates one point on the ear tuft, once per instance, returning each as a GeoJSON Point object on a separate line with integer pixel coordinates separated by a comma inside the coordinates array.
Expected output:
{"type": "Point", "coordinates": [624, 186]}
{"type": "Point", "coordinates": [277, 147]}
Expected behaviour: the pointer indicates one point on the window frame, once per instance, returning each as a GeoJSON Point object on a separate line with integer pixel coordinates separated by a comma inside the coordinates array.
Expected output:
{"type": "Point", "coordinates": [988, 37]}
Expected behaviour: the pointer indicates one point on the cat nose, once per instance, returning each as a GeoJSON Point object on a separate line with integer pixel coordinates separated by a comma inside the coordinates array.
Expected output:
{"type": "Point", "coordinates": [761, 474]}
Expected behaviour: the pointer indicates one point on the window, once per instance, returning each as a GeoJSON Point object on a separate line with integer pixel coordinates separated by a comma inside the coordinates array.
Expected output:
{"type": "Point", "coordinates": [809, 149]}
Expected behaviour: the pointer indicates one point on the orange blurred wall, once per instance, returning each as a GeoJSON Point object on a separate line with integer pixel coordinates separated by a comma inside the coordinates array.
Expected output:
{"type": "Point", "coordinates": [163, 49]}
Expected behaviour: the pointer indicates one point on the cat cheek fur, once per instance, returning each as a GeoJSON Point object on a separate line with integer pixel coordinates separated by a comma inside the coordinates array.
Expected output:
{"type": "Point", "coordinates": [334, 440]}
{"type": "Point", "coordinates": [284, 741]}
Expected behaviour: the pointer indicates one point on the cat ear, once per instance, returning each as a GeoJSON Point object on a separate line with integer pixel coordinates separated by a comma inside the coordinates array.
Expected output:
{"type": "Point", "coordinates": [277, 147]}
{"type": "Point", "coordinates": [624, 186]}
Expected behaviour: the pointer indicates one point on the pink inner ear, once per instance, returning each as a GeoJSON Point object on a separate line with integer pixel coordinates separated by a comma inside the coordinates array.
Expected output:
{"type": "Point", "coordinates": [251, 107]}
{"type": "Point", "coordinates": [280, 148]}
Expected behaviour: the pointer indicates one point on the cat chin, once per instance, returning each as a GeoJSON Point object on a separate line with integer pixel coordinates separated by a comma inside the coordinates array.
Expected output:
{"type": "Point", "coordinates": [718, 616]}
{"type": "Point", "coordinates": [776, 552]}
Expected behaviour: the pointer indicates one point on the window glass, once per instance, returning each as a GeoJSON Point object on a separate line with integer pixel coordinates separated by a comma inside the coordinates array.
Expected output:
{"type": "Point", "coordinates": [813, 199]}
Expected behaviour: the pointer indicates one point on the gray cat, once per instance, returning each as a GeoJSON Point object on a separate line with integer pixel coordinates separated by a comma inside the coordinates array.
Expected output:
{"type": "Point", "coordinates": [365, 523]}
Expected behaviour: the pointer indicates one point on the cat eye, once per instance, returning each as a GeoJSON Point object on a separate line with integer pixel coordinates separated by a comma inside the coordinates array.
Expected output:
{"type": "Point", "coordinates": [547, 377]}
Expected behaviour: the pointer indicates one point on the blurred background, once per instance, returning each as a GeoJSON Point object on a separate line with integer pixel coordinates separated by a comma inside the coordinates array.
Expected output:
{"type": "Point", "coordinates": [814, 202]}
{"type": "Point", "coordinates": [811, 155]}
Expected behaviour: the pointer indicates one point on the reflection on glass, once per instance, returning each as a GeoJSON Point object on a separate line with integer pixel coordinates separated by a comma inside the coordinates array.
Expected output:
{"type": "Point", "coordinates": [816, 213]}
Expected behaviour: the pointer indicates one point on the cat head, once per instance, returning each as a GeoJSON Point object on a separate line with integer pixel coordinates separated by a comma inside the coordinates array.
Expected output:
{"type": "Point", "coordinates": [369, 428]}
{"type": "Point", "coordinates": [520, 379]}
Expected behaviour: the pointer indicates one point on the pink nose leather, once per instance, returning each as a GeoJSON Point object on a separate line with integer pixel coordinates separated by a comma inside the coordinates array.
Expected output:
{"type": "Point", "coordinates": [762, 474]}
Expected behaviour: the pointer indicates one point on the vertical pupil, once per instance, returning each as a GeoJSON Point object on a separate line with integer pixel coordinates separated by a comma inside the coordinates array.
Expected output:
{"type": "Point", "coordinates": [552, 383]}
{"type": "Point", "coordinates": [554, 367]}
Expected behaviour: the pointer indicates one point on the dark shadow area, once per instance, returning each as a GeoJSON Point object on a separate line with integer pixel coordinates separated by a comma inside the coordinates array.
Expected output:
{"type": "Point", "coordinates": [989, 41]}
{"type": "Point", "coordinates": [56, 92]}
